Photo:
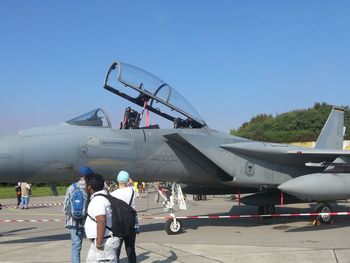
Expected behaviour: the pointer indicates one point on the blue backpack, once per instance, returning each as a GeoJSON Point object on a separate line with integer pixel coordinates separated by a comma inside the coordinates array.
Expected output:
{"type": "Point", "coordinates": [78, 203]}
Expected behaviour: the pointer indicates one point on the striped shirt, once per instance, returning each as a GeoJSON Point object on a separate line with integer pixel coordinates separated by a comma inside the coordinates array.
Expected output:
{"type": "Point", "coordinates": [70, 221]}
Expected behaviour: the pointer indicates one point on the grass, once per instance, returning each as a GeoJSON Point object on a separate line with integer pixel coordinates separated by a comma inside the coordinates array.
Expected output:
{"type": "Point", "coordinates": [9, 191]}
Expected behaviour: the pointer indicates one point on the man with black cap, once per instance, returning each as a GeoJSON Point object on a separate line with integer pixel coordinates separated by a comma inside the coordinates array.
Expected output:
{"type": "Point", "coordinates": [75, 200]}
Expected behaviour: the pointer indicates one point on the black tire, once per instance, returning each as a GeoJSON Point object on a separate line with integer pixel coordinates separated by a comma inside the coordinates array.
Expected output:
{"type": "Point", "coordinates": [323, 208]}
{"type": "Point", "coordinates": [171, 228]}
{"type": "Point", "coordinates": [266, 209]}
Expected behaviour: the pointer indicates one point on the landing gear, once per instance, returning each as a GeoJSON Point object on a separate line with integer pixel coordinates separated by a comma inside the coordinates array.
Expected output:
{"type": "Point", "coordinates": [323, 219]}
{"type": "Point", "coordinates": [173, 226]}
{"type": "Point", "coordinates": [267, 209]}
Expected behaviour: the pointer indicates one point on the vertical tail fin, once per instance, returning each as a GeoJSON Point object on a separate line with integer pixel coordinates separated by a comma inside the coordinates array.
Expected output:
{"type": "Point", "coordinates": [332, 134]}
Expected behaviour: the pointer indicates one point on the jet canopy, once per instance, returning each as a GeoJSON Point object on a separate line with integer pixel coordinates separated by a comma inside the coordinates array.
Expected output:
{"type": "Point", "coordinates": [95, 118]}
{"type": "Point", "coordinates": [150, 92]}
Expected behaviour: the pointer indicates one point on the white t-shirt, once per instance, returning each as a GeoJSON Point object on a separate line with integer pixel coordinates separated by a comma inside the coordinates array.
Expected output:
{"type": "Point", "coordinates": [125, 195]}
{"type": "Point", "coordinates": [98, 205]}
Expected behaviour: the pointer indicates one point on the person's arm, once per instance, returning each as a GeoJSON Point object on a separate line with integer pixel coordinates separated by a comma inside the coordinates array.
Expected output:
{"type": "Point", "coordinates": [101, 227]}
{"type": "Point", "coordinates": [66, 201]}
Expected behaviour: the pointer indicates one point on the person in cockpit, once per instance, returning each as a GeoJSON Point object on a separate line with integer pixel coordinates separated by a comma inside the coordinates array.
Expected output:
{"type": "Point", "coordinates": [131, 119]}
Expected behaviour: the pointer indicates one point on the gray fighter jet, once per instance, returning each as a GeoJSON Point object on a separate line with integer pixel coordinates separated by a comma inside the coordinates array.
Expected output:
{"type": "Point", "coordinates": [203, 160]}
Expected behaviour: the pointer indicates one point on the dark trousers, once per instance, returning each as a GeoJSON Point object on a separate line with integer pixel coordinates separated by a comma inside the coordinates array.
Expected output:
{"type": "Point", "coordinates": [129, 247]}
{"type": "Point", "coordinates": [18, 200]}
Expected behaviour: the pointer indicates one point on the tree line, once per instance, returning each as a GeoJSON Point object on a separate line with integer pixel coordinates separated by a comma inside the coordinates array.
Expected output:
{"type": "Point", "coordinates": [294, 126]}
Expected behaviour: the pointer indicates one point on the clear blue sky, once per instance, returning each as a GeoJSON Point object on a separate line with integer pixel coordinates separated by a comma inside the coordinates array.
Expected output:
{"type": "Point", "coordinates": [230, 59]}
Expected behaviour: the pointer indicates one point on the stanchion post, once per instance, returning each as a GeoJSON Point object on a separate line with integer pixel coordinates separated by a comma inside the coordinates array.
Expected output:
{"type": "Point", "coordinates": [239, 197]}
{"type": "Point", "coordinates": [282, 199]}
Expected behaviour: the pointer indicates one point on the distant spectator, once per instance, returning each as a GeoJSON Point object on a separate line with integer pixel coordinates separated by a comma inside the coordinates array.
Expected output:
{"type": "Point", "coordinates": [139, 189]}
{"type": "Point", "coordinates": [25, 191]}
{"type": "Point", "coordinates": [18, 194]}
{"type": "Point", "coordinates": [29, 191]}
{"type": "Point", "coordinates": [136, 188]}
{"type": "Point", "coordinates": [131, 183]}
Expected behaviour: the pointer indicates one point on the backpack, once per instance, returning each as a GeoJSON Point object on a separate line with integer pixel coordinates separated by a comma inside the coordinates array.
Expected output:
{"type": "Point", "coordinates": [77, 202]}
{"type": "Point", "coordinates": [123, 216]}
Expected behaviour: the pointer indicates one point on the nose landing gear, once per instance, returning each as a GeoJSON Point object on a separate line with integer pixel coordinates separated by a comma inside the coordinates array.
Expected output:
{"type": "Point", "coordinates": [173, 226]}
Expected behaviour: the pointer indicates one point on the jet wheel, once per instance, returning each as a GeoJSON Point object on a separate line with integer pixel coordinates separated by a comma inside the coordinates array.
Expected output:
{"type": "Point", "coordinates": [323, 208]}
{"type": "Point", "coordinates": [266, 209]}
{"type": "Point", "coordinates": [173, 227]}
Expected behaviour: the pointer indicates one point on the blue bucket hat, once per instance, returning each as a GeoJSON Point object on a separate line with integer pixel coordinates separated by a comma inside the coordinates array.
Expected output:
{"type": "Point", "coordinates": [123, 177]}
{"type": "Point", "coordinates": [85, 170]}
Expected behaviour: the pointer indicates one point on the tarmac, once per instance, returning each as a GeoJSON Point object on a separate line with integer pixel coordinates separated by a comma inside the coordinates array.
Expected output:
{"type": "Point", "coordinates": [292, 239]}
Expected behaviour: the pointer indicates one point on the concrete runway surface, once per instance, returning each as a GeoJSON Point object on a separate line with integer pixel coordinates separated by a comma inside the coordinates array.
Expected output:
{"type": "Point", "coordinates": [203, 240]}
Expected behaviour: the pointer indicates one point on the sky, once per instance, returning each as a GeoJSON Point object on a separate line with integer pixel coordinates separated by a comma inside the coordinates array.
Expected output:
{"type": "Point", "coordinates": [230, 59]}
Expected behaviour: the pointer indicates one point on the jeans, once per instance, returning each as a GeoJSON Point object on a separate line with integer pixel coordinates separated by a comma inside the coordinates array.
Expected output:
{"type": "Point", "coordinates": [76, 235]}
{"type": "Point", "coordinates": [24, 201]}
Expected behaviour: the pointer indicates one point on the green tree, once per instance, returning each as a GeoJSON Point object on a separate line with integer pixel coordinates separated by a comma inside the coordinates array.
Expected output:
{"type": "Point", "coordinates": [293, 126]}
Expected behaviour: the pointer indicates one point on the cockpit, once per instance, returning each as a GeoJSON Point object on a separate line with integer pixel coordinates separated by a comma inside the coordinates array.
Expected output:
{"type": "Point", "coordinates": [94, 118]}
{"type": "Point", "coordinates": [151, 93]}
{"type": "Point", "coordinates": [147, 91]}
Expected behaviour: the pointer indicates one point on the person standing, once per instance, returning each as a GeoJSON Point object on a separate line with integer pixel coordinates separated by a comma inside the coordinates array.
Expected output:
{"type": "Point", "coordinates": [73, 224]}
{"type": "Point", "coordinates": [18, 194]}
{"type": "Point", "coordinates": [29, 187]}
{"type": "Point", "coordinates": [126, 194]}
{"type": "Point", "coordinates": [99, 216]}
{"type": "Point", "coordinates": [25, 187]}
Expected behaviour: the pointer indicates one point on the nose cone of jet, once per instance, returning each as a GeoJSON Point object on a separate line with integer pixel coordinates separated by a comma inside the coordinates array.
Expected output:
{"type": "Point", "coordinates": [288, 187]}
{"type": "Point", "coordinates": [300, 186]}
{"type": "Point", "coordinates": [9, 157]}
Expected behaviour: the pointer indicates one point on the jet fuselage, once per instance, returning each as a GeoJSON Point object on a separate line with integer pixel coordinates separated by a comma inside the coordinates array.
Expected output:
{"type": "Point", "coordinates": [54, 153]}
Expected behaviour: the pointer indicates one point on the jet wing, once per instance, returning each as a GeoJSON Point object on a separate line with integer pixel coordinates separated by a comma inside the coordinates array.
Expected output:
{"type": "Point", "coordinates": [284, 153]}
{"type": "Point", "coordinates": [207, 149]}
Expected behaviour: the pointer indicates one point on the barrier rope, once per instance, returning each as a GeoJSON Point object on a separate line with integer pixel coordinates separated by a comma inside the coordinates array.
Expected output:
{"type": "Point", "coordinates": [248, 216]}
{"type": "Point", "coordinates": [34, 205]}
{"type": "Point", "coordinates": [199, 217]}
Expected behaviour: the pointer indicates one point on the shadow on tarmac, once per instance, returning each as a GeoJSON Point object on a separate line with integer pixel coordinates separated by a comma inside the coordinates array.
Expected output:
{"type": "Point", "coordinates": [38, 239]}
{"type": "Point", "coordinates": [145, 256]}
{"type": "Point", "coordinates": [13, 232]}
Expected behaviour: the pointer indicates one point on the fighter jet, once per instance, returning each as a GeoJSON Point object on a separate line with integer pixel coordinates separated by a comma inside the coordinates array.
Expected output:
{"type": "Point", "coordinates": [203, 160]}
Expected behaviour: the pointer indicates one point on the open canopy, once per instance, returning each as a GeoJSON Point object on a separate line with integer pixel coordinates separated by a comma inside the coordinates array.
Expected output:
{"type": "Point", "coordinates": [150, 92]}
